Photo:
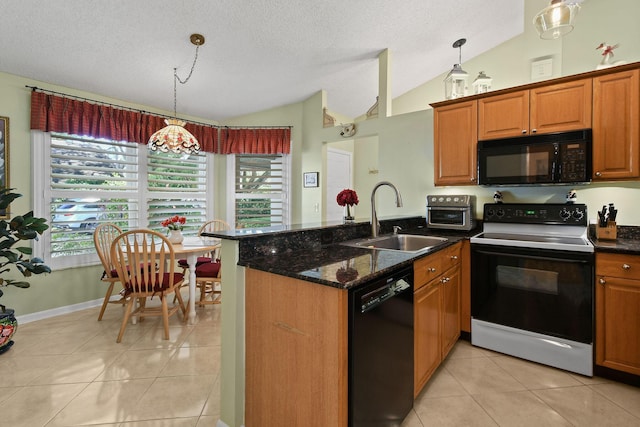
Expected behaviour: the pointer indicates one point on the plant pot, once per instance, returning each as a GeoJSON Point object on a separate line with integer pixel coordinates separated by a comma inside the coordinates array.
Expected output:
{"type": "Point", "coordinates": [8, 327]}
{"type": "Point", "coordinates": [348, 216]}
{"type": "Point", "coordinates": [175, 236]}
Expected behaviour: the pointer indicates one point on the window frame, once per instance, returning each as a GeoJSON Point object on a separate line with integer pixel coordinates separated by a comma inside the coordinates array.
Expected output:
{"type": "Point", "coordinates": [42, 195]}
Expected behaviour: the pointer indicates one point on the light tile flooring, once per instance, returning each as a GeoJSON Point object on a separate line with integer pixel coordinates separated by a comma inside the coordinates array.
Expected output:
{"type": "Point", "coordinates": [69, 371]}
{"type": "Point", "coordinates": [477, 387]}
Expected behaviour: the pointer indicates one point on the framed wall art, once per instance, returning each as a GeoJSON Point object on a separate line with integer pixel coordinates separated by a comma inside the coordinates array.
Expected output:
{"type": "Point", "coordinates": [311, 179]}
{"type": "Point", "coordinates": [4, 158]}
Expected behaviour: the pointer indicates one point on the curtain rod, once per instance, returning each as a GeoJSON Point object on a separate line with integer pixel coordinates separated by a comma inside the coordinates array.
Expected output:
{"type": "Point", "coordinates": [35, 88]}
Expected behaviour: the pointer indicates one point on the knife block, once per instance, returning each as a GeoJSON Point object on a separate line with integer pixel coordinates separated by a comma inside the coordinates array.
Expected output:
{"type": "Point", "coordinates": [610, 232]}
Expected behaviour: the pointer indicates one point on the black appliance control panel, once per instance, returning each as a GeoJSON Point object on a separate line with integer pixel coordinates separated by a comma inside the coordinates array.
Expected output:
{"type": "Point", "coordinates": [536, 213]}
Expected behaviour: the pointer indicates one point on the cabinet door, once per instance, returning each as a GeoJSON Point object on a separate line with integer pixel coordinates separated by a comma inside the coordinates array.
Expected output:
{"type": "Point", "coordinates": [426, 333]}
{"type": "Point", "coordinates": [616, 129]}
{"type": "Point", "coordinates": [618, 324]}
{"type": "Point", "coordinates": [501, 116]}
{"type": "Point", "coordinates": [455, 141]}
{"type": "Point", "coordinates": [450, 309]}
{"type": "Point", "coordinates": [561, 107]}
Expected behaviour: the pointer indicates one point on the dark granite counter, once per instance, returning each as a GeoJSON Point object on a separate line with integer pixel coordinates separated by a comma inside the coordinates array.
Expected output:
{"type": "Point", "coordinates": [628, 241]}
{"type": "Point", "coordinates": [314, 253]}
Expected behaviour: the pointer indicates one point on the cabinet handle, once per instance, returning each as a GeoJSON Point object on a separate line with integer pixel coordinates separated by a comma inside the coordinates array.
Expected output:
{"type": "Point", "coordinates": [473, 179]}
{"type": "Point", "coordinates": [431, 269]}
{"type": "Point", "coordinates": [626, 267]}
{"type": "Point", "coordinates": [598, 173]}
{"type": "Point", "coordinates": [524, 131]}
{"type": "Point", "coordinates": [454, 256]}
{"type": "Point", "coordinates": [534, 130]}
{"type": "Point", "coordinates": [445, 279]}
{"type": "Point", "coordinates": [602, 281]}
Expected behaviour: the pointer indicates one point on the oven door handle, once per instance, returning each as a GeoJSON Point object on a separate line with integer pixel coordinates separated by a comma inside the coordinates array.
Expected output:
{"type": "Point", "coordinates": [523, 255]}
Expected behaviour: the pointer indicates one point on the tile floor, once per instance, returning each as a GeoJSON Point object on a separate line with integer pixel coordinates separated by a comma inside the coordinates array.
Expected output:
{"type": "Point", "coordinates": [69, 371]}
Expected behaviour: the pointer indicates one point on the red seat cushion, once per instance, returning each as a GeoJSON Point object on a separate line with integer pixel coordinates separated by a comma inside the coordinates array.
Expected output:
{"type": "Point", "coordinates": [209, 269]}
{"type": "Point", "coordinates": [159, 285]}
{"type": "Point", "coordinates": [201, 260]}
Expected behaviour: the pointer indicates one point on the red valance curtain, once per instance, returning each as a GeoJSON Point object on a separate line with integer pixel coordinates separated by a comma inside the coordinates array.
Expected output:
{"type": "Point", "coordinates": [53, 113]}
{"type": "Point", "coordinates": [255, 141]}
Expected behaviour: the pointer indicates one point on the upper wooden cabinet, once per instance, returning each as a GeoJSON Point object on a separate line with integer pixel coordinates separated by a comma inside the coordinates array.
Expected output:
{"type": "Point", "coordinates": [455, 140]}
{"type": "Point", "coordinates": [616, 129]}
{"type": "Point", "coordinates": [547, 109]}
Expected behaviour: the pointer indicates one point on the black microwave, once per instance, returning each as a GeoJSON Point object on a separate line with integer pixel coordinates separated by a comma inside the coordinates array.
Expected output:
{"type": "Point", "coordinates": [557, 158]}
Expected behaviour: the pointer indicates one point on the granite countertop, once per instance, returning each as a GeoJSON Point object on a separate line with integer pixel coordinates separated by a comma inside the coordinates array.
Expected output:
{"type": "Point", "coordinates": [315, 253]}
{"type": "Point", "coordinates": [340, 266]}
{"type": "Point", "coordinates": [627, 242]}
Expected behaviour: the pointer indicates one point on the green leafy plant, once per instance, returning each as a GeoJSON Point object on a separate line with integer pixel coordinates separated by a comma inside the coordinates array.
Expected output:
{"type": "Point", "coordinates": [19, 228]}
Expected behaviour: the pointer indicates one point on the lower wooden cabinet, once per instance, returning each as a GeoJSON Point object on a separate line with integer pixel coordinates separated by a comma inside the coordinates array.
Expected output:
{"type": "Point", "coordinates": [436, 311]}
{"type": "Point", "coordinates": [618, 312]}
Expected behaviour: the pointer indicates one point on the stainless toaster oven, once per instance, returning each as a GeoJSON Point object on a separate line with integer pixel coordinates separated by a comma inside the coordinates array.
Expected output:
{"type": "Point", "coordinates": [454, 212]}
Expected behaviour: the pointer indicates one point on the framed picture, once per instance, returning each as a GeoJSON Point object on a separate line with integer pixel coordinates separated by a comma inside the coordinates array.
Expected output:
{"type": "Point", "coordinates": [311, 179]}
{"type": "Point", "coordinates": [4, 158]}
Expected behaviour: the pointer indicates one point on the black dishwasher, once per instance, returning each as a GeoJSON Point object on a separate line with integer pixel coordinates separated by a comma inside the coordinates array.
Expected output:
{"type": "Point", "coordinates": [381, 351]}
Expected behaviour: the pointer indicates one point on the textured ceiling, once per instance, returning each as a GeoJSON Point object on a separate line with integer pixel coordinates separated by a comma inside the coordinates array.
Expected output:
{"type": "Point", "coordinates": [258, 54]}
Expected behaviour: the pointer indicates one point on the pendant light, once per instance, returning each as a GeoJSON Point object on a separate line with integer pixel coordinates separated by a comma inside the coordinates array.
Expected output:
{"type": "Point", "coordinates": [174, 137]}
{"type": "Point", "coordinates": [556, 20]}
{"type": "Point", "coordinates": [455, 84]}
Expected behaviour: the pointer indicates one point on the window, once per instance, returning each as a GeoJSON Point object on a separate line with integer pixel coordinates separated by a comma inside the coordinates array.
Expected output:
{"type": "Point", "coordinates": [261, 190]}
{"type": "Point", "coordinates": [85, 182]}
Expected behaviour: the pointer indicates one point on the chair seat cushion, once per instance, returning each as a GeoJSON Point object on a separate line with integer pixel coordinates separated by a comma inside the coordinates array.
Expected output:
{"type": "Point", "coordinates": [209, 269]}
{"type": "Point", "coordinates": [161, 283]}
{"type": "Point", "coordinates": [201, 260]}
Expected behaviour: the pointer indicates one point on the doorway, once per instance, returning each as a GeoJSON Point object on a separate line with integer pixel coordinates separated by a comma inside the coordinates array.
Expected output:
{"type": "Point", "coordinates": [339, 177]}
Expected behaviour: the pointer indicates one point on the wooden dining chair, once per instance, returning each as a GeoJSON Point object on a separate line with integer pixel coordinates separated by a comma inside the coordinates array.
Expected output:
{"type": "Point", "coordinates": [103, 236]}
{"type": "Point", "coordinates": [209, 226]}
{"type": "Point", "coordinates": [208, 280]}
{"type": "Point", "coordinates": [136, 248]}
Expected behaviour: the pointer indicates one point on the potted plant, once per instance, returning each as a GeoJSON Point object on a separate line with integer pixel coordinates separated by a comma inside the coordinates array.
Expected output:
{"type": "Point", "coordinates": [18, 228]}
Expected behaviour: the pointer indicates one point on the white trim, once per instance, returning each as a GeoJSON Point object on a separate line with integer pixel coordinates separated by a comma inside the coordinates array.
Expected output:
{"type": "Point", "coordinates": [40, 315]}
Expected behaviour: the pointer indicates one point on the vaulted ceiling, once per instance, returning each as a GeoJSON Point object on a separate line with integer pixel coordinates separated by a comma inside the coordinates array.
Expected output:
{"type": "Point", "coordinates": [258, 54]}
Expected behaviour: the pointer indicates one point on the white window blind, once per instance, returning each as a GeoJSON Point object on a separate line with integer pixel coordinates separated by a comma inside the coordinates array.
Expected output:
{"type": "Point", "coordinates": [261, 190]}
{"type": "Point", "coordinates": [86, 182]}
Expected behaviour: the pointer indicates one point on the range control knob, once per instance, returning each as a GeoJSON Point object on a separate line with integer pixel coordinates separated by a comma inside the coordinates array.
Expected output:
{"type": "Point", "coordinates": [500, 213]}
{"type": "Point", "coordinates": [565, 214]}
{"type": "Point", "coordinates": [490, 213]}
{"type": "Point", "coordinates": [577, 214]}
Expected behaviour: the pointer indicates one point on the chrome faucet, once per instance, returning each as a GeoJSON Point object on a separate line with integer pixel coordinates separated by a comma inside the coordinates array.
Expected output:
{"type": "Point", "coordinates": [375, 224]}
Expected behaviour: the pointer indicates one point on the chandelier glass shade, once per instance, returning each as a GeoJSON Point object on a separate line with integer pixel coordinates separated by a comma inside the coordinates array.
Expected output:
{"type": "Point", "coordinates": [556, 20]}
{"type": "Point", "coordinates": [174, 138]}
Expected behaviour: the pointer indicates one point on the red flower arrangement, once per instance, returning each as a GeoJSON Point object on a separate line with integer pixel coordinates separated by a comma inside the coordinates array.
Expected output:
{"type": "Point", "coordinates": [347, 198]}
{"type": "Point", "coordinates": [175, 222]}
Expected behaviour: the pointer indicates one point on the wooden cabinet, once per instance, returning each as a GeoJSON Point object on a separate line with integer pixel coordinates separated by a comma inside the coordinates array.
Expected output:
{"type": "Point", "coordinates": [296, 352]}
{"type": "Point", "coordinates": [546, 109]}
{"type": "Point", "coordinates": [436, 309]}
{"type": "Point", "coordinates": [618, 312]}
{"type": "Point", "coordinates": [455, 140]}
{"type": "Point", "coordinates": [616, 128]}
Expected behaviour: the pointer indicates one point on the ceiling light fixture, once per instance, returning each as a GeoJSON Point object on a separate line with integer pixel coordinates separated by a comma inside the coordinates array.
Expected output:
{"type": "Point", "coordinates": [174, 137]}
{"type": "Point", "coordinates": [455, 84]}
{"type": "Point", "coordinates": [556, 20]}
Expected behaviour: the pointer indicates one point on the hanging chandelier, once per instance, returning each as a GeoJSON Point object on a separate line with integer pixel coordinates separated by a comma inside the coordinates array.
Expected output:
{"type": "Point", "coordinates": [556, 20]}
{"type": "Point", "coordinates": [455, 83]}
{"type": "Point", "coordinates": [174, 137]}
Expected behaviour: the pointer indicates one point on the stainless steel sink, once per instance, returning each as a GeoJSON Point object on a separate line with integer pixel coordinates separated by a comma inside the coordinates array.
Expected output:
{"type": "Point", "coordinates": [399, 242]}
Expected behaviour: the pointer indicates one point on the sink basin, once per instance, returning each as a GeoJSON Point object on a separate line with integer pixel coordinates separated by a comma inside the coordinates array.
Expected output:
{"type": "Point", "coordinates": [399, 242]}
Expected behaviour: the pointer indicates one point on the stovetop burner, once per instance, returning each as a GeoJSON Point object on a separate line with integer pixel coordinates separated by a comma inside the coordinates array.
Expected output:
{"type": "Point", "coordinates": [544, 226]}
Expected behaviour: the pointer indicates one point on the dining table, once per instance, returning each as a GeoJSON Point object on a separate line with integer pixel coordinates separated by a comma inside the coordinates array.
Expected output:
{"type": "Point", "coordinates": [191, 247]}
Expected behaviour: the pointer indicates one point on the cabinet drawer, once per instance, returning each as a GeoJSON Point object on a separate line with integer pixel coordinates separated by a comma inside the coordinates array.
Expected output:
{"type": "Point", "coordinates": [450, 256]}
{"type": "Point", "coordinates": [616, 265]}
{"type": "Point", "coordinates": [431, 267]}
{"type": "Point", "coordinates": [426, 269]}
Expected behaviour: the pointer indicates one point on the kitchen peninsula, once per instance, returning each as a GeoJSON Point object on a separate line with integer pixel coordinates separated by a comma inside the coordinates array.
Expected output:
{"type": "Point", "coordinates": [291, 288]}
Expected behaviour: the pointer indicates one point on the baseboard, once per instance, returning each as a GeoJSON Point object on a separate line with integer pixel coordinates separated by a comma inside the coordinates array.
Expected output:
{"type": "Point", "coordinates": [221, 423]}
{"type": "Point", "coordinates": [40, 315]}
